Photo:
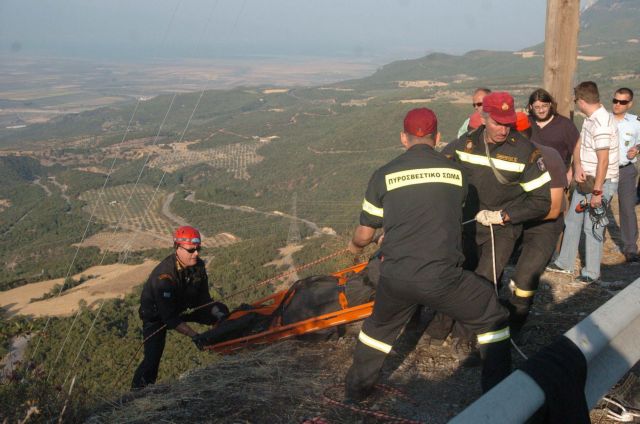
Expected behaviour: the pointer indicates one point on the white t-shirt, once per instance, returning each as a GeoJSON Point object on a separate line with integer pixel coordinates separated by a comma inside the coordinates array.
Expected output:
{"type": "Point", "coordinates": [599, 131]}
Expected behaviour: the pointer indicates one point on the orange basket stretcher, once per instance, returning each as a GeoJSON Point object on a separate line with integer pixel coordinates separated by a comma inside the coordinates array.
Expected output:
{"type": "Point", "coordinates": [279, 331]}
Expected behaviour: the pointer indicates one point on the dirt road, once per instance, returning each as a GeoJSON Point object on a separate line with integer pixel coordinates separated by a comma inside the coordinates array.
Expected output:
{"type": "Point", "coordinates": [247, 209]}
{"type": "Point", "coordinates": [166, 211]}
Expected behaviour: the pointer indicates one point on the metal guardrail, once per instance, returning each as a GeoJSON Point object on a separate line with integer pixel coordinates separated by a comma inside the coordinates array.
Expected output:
{"type": "Point", "coordinates": [609, 338]}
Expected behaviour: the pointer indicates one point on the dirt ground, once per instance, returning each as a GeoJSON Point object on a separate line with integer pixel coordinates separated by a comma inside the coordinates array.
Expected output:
{"type": "Point", "coordinates": [289, 381]}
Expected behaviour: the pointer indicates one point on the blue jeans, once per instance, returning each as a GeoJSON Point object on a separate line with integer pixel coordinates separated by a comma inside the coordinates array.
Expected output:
{"type": "Point", "coordinates": [575, 223]}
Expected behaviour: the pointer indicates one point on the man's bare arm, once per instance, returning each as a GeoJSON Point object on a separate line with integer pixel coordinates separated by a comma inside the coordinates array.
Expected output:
{"type": "Point", "coordinates": [578, 173]}
{"type": "Point", "coordinates": [362, 236]}
{"type": "Point", "coordinates": [601, 174]}
{"type": "Point", "coordinates": [185, 329]}
{"type": "Point", "coordinates": [557, 198]}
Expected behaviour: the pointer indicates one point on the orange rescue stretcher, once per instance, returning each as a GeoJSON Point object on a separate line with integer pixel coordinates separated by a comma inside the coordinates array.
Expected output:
{"type": "Point", "coordinates": [277, 331]}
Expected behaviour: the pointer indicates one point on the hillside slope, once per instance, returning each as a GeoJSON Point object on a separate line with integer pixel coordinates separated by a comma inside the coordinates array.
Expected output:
{"type": "Point", "coordinates": [289, 382]}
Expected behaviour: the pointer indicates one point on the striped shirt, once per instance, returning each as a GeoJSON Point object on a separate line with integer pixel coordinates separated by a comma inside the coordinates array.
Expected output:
{"type": "Point", "coordinates": [599, 131]}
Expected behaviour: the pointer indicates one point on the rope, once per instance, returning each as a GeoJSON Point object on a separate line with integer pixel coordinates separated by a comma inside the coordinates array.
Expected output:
{"type": "Point", "coordinates": [145, 162]}
{"type": "Point", "coordinates": [285, 274]}
{"type": "Point", "coordinates": [368, 411]}
{"type": "Point", "coordinates": [495, 287]}
{"type": "Point", "coordinates": [138, 351]}
{"type": "Point", "coordinates": [624, 414]}
{"type": "Point", "coordinates": [86, 230]}
{"type": "Point", "coordinates": [93, 323]}
{"type": "Point", "coordinates": [73, 323]}
{"type": "Point", "coordinates": [124, 209]}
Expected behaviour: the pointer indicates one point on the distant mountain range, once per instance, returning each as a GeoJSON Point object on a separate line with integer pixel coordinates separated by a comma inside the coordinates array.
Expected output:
{"type": "Point", "coordinates": [609, 52]}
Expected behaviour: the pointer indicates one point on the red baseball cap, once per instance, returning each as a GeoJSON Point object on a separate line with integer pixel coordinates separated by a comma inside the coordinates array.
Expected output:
{"type": "Point", "coordinates": [499, 106]}
{"type": "Point", "coordinates": [420, 122]}
{"type": "Point", "coordinates": [475, 120]}
{"type": "Point", "coordinates": [522, 121]}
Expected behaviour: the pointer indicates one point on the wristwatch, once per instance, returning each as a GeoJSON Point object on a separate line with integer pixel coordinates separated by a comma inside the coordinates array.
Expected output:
{"type": "Point", "coordinates": [597, 192]}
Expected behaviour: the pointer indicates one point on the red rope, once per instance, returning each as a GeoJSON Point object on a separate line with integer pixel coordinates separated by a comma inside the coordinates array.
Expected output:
{"type": "Point", "coordinates": [315, 420]}
{"type": "Point", "coordinates": [367, 411]}
{"type": "Point", "coordinates": [277, 277]}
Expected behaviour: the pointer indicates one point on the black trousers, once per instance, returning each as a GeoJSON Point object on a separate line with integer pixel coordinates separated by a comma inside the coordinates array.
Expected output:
{"type": "Point", "coordinates": [627, 208]}
{"type": "Point", "coordinates": [468, 299]}
{"type": "Point", "coordinates": [505, 238]}
{"type": "Point", "coordinates": [147, 371]}
{"type": "Point", "coordinates": [538, 244]}
{"type": "Point", "coordinates": [479, 255]}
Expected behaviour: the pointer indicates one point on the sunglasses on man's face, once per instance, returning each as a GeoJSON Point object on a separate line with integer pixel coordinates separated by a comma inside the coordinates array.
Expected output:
{"type": "Point", "coordinates": [622, 102]}
{"type": "Point", "coordinates": [477, 104]}
{"type": "Point", "coordinates": [192, 250]}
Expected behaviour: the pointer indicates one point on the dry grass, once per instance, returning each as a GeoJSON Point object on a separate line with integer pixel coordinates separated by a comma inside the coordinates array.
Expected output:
{"type": "Point", "coordinates": [282, 383]}
{"type": "Point", "coordinates": [4, 204]}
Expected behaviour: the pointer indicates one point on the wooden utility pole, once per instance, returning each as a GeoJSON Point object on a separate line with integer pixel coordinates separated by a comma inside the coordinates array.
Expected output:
{"type": "Point", "coordinates": [561, 51]}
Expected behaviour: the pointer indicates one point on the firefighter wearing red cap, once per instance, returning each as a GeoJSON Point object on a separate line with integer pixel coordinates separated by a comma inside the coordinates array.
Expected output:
{"type": "Point", "coordinates": [508, 181]}
{"type": "Point", "coordinates": [417, 199]}
{"type": "Point", "coordinates": [508, 185]}
{"type": "Point", "coordinates": [178, 283]}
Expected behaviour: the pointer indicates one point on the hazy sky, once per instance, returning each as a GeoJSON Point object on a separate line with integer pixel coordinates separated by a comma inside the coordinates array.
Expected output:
{"type": "Point", "coordinates": [197, 28]}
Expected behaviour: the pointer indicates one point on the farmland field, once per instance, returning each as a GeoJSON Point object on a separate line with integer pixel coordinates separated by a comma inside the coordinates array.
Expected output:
{"type": "Point", "coordinates": [233, 158]}
{"type": "Point", "coordinates": [124, 207]}
{"type": "Point", "coordinates": [137, 226]}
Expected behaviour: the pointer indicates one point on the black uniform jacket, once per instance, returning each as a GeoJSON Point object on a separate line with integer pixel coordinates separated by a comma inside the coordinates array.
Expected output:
{"type": "Point", "coordinates": [417, 198]}
{"type": "Point", "coordinates": [525, 197]}
{"type": "Point", "coordinates": [171, 289]}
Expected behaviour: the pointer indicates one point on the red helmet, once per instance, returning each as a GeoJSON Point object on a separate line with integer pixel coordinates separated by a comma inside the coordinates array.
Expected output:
{"type": "Point", "coordinates": [186, 235]}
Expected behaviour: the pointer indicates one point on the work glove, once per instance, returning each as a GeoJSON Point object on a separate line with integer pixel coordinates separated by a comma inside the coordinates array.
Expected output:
{"type": "Point", "coordinates": [198, 341]}
{"type": "Point", "coordinates": [219, 311]}
{"type": "Point", "coordinates": [487, 218]}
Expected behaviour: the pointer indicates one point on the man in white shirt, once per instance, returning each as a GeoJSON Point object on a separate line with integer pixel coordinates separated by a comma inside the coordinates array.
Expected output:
{"type": "Point", "coordinates": [629, 141]}
{"type": "Point", "coordinates": [595, 156]}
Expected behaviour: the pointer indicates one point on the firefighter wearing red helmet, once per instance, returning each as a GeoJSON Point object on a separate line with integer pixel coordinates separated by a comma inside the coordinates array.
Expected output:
{"type": "Point", "coordinates": [178, 283]}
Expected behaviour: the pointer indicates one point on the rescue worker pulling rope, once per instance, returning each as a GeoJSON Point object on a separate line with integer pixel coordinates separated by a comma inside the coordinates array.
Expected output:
{"type": "Point", "coordinates": [176, 284]}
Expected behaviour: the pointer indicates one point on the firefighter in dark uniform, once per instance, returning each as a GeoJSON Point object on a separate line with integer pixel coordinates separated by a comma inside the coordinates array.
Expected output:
{"type": "Point", "coordinates": [508, 185]}
{"type": "Point", "coordinates": [417, 198]}
{"type": "Point", "coordinates": [508, 182]}
{"type": "Point", "coordinates": [178, 283]}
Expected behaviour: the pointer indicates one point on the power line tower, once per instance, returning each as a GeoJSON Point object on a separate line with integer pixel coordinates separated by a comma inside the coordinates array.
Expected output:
{"type": "Point", "coordinates": [294, 231]}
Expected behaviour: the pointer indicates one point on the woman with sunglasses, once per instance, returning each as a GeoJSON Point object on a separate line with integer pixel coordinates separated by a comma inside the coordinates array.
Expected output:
{"type": "Point", "coordinates": [178, 283]}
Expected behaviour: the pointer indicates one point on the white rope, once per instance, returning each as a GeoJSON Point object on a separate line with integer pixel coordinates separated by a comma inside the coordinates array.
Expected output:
{"type": "Point", "coordinates": [146, 161]}
{"type": "Point", "coordinates": [73, 323]}
{"type": "Point", "coordinates": [495, 286]}
{"type": "Point", "coordinates": [101, 193]}
{"type": "Point", "coordinates": [626, 415]}
{"type": "Point", "coordinates": [86, 230]}
{"type": "Point", "coordinates": [93, 323]}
